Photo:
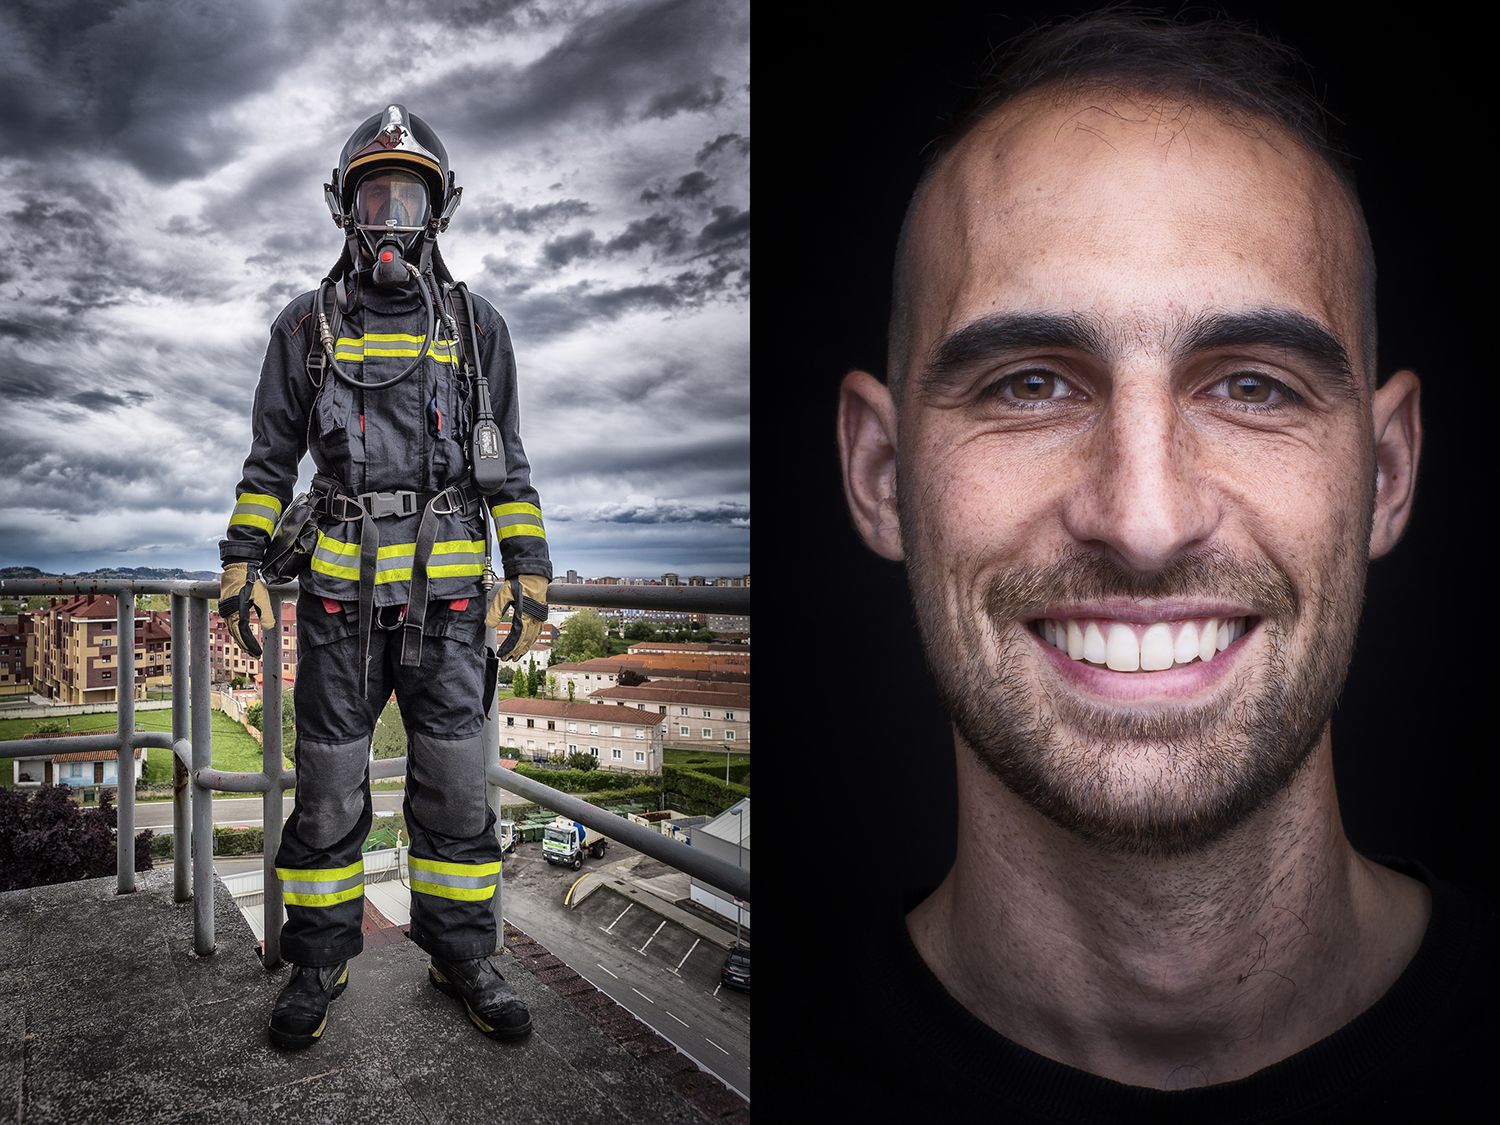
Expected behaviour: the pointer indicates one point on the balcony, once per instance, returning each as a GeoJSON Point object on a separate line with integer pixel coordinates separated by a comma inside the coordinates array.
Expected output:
{"type": "Point", "coordinates": [143, 996]}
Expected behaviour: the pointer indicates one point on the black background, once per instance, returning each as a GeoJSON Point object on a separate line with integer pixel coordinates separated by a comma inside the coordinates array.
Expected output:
{"type": "Point", "coordinates": [857, 762]}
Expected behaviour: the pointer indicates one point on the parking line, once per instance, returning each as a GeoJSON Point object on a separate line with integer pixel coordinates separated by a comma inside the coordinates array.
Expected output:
{"type": "Point", "coordinates": [681, 1021]}
{"type": "Point", "coordinates": [648, 1000]}
{"type": "Point", "coordinates": [606, 970]}
{"type": "Point", "coordinates": [688, 954]}
{"type": "Point", "coordinates": [715, 992]}
{"type": "Point", "coordinates": [714, 1045]}
{"type": "Point", "coordinates": [652, 938]}
{"type": "Point", "coordinates": [616, 922]}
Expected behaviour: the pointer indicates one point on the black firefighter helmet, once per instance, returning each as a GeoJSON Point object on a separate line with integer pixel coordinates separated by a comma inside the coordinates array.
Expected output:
{"type": "Point", "coordinates": [393, 180]}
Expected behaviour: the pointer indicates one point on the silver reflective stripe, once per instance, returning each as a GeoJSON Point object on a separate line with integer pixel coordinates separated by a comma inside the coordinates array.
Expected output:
{"type": "Point", "coordinates": [330, 556]}
{"type": "Point", "coordinates": [309, 887]}
{"type": "Point", "coordinates": [445, 880]}
{"type": "Point", "coordinates": [392, 562]}
{"type": "Point", "coordinates": [455, 558]}
{"type": "Point", "coordinates": [246, 508]}
{"type": "Point", "coordinates": [510, 521]}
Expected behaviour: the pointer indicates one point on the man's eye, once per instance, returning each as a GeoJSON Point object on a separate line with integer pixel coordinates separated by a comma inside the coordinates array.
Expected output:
{"type": "Point", "coordinates": [1029, 386]}
{"type": "Point", "coordinates": [1254, 389]}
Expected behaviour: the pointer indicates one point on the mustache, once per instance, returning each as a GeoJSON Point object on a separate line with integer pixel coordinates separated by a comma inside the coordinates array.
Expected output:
{"type": "Point", "coordinates": [1264, 588]}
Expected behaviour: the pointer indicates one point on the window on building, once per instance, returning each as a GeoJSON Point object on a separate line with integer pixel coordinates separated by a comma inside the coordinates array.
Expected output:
{"type": "Point", "coordinates": [639, 733]}
{"type": "Point", "coordinates": [615, 753]}
{"type": "Point", "coordinates": [594, 750]}
{"type": "Point", "coordinates": [593, 728]}
{"type": "Point", "coordinates": [617, 732]}
{"type": "Point", "coordinates": [106, 675]}
{"type": "Point", "coordinates": [729, 735]}
{"type": "Point", "coordinates": [105, 642]}
{"type": "Point", "coordinates": [572, 728]}
{"type": "Point", "coordinates": [531, 744]}
{"type": "Point", "coordinates": [551, 724]}
{"type": "Point", "coordinates": [708, 714]}
{"type": "Point", "coordinates": [640, 756]}
{"type": "Point", "coordinates": [75, 769]}
{"type": "Point", "coordinates": [662, 710]}
{"type": "Point", "coordinates": [510, 720]}
{"type": "Point", "coordinates": [685, 732]}
{"type": "Point", "coordinates": [530, 724]}
{"type": "Point", "coordinates": [729, 716]}
{"type": "Point", "coordinates": [640, 706]}
{"type": "Point", "coordinates": [682, 711]}
{"type": "Point", "coordinates": [572, 748]}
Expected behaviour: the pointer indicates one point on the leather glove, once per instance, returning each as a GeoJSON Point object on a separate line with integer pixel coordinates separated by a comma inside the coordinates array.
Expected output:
{"type": "Point", "coordinates": [526, 595]}
{"type": "Point", "coordinates": [240, 588]}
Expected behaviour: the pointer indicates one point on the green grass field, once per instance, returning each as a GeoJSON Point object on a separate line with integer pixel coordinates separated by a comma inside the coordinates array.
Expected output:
{"type": "Point", "coordinates": [233, 748]}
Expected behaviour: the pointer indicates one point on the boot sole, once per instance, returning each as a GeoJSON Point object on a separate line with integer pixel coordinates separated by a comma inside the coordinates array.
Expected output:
{"type": "Point", "coordinates": [294, 1042]}
{"type": "Point", "coordinates": [443, 984]}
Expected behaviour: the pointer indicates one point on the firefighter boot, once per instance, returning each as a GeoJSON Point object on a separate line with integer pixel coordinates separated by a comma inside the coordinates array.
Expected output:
{"type": "Point", "coordinates": [493, 1005]}
{"type": "Point", "coordinates": [301, 1011]}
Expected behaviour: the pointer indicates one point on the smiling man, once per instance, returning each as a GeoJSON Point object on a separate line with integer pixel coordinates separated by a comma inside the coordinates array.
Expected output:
{"type": "Point", "coordinates": [1135, 456]}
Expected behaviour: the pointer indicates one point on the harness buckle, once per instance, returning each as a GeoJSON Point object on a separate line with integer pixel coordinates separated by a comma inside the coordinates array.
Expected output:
{"type": "Point", "coordinates": [380, 504]}
{"type": "Point", "coordinates": [451, 501]}
{"type": "Point", "coordinates": [343, 508]}
{"type": "Point", "coordinates": [387, 623]}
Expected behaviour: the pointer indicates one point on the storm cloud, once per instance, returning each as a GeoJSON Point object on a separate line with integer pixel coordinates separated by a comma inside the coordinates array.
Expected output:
{"type": "Point", "coordinates": [162, 169]}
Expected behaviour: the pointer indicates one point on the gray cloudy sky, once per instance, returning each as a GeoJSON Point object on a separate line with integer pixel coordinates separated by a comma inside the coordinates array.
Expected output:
{"type": "Point", "coordinates": [161, 164]}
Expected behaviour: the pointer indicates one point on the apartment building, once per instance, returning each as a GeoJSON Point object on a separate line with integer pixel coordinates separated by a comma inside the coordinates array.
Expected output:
{"type": "Point", "coordinates": [76, 650]}
{"type": "Point", "coordinates": [538, 728]}
{"type": "Point", "coordinates": [229, 660]}
{"type": "Point", "coordinates": [17, 653]}
{"type": "Point", "coordinates": [675, 648]}
{"type": "Point", "coordinates": [589, 676]}
{"type": "Point", "coordinates": [696, 714]}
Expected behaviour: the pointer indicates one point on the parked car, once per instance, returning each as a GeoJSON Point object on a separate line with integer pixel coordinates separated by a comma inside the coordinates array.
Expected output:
{"type": "Point", "coordinates": [736, 970]}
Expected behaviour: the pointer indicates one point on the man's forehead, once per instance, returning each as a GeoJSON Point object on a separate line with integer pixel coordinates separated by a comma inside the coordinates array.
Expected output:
{"type": "Point", "coordinates": [1132, 207]}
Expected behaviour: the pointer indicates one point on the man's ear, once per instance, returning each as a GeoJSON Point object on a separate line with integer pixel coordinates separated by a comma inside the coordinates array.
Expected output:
{"type": "Point", "coordinates": [867, 452]}
{"type": "Point", "coordinates": [1398, 443]}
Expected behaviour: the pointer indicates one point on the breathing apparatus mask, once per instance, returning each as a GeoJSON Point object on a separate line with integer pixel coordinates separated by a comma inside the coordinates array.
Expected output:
{"type": "Point", "coordinates": [390, 214]}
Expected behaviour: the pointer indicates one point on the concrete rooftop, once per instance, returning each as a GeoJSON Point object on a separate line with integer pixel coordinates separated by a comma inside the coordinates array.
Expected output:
{"type": "Point", "coordinates": [106, 1014]}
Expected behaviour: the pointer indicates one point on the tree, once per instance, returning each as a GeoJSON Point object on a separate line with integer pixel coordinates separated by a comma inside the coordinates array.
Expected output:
{"type": "Point", "coordinates": [570, 691]}
{"type": "Point", "coordinates": [582, 637]}
{"type": "Point", "coordinates": [505, 675]}
{"type": "Point", "coordinates": [46, 838]}
{"type": "Point", "coordinates": [549, 688]}
{"type": "Point", "coordinates": [631, 678]}
{"type": "Point", "coordinates": [390, 734]}
{"type": "Point", "coordinates": [253, 714]}
{"type": "Point", "coordinates": [582, 760]}
{"type": "Point", "coordinates": [639, 631]}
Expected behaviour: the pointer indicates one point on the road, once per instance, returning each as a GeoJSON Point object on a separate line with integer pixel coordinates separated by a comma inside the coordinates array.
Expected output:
{"type": "Point", "coordinates": [245, 811]}
{"type": "Point", "coordinates": [663, 973]}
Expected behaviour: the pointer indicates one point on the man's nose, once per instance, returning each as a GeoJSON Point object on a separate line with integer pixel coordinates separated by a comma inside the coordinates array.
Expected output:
{"type": "Point", "coordinates": [1146, 492]}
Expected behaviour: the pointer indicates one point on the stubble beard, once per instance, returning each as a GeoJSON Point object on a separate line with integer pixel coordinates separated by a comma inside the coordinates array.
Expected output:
{"type": "Point", "coordinates": [1152, 783]}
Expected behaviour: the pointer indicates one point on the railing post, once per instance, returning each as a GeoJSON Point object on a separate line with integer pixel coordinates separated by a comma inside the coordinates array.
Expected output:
{"type": "Point", "coordinates": [203, 798]}
{"type": "Point", "coordinates": [492, 791]}
{"type": "Point", "coordinates": [125, 756]}
{"type": "Point", "coordinates": [182, 846]}
{"type": "Point", "coordinates": [270, 746]}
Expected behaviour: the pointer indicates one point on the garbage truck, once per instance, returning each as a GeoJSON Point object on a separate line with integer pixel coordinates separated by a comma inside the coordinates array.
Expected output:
{"type": "Point", "coordinates": [565, 841]}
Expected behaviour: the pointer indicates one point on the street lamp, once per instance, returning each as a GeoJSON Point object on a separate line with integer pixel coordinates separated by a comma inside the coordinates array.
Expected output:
{"type": "Point", "coordinates": [739, 859]}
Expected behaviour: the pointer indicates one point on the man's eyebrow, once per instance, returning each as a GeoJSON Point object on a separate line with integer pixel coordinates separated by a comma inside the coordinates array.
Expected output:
{"type": "Point", "coordinates": [1279, 328]}
{"type": "Point", "coordinates": [958, 351]}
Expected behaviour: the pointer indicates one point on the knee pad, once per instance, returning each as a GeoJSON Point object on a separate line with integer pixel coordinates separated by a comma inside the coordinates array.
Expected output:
{"type": "Point", "coordinates": [445, 779]}
{"type": "Point", "coordinates": [330, 789]}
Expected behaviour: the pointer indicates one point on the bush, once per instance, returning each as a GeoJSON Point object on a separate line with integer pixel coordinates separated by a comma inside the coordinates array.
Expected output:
{"type": "Point", "coordinates": [253, 714]}
{"type": "Point", "coordinates": [50, 726]}
{"type": "Point", "coordinates": [584, 781]}
{"type": "Point", "coordinates": [582, 760]}
{"type": "Point", "coordinates": [46, 838]}
{"type": "Point", "coordinates": [699, 794]}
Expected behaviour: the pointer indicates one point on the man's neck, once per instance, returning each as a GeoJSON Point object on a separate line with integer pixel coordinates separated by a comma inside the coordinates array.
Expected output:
{"type": "Point", "coordinates": [1167, 973]}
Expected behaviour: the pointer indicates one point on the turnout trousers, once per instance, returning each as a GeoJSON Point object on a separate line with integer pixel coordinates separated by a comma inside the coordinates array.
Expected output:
{"type": "Point", "coordinates": [454, 859]}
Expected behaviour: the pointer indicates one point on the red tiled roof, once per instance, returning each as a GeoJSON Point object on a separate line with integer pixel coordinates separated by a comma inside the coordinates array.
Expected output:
{"type": "Point", "coordinates": [668, 693]}
{"type": "Point", "coordinates": [583, 712]}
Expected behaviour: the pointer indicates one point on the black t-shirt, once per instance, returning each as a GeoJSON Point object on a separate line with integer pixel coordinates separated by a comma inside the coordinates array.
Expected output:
{"type": "Point", "coordinates": [1425, 1046]}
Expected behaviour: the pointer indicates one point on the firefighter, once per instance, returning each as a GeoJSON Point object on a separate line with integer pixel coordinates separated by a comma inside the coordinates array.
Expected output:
{"type": "Point", "coordinates": [384, 374]}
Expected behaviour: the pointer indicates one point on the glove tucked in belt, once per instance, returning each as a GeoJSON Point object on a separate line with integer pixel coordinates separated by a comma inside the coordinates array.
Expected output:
{"type": "Point", "coordinates": [526, 594]}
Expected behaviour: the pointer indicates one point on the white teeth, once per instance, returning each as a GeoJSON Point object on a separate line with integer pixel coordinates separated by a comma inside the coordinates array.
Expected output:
{"type": "Point", "coordinates": [1129, 648]}
{"type": "Point", "coordinates": [1123, 654]}
{"type": "Point", "coordinates": [1157, 648]}
{"type": "Point", "coordinates": [1187, 644]}
{"type": "Point", "coordinates": [1208, 640]}
{"type": "Point", "coordinates": [1093, 644]}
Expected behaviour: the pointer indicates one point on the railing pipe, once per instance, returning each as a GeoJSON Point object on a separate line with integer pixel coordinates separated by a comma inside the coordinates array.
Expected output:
{"type": "Point", "coordinates": [124, 742]}
{"type": "Point", "coordinates": [270, 749]}
{"type": "Point", "coordinates": [73, 743]}
{"type": "Point", "coordinates": [712, 870]}
{"type": "Point", "coordinates": [182, 792]}
{"type": "Point", "coordinates": [203, 801]}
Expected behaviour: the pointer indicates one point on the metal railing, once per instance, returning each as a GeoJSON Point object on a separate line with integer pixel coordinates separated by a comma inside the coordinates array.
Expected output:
{"type": "Point", "coordinates": [194, 778]}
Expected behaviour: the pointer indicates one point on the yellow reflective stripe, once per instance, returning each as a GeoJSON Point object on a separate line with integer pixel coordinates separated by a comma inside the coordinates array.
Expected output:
{"type": "Point", "coordinates": [516, 508]}
{"type": "Point", "coordinates": [463, 894]}
{"type": "Point", "coordinates": [521, 529]}
{"type": "Point", "coordinates": [296, 898]}
{"type": "Point", "coordinates": [442, 867]}
{"type": "Point", "coordinates": [456, 570]}
{"type": "Point", "coordinates": [351, 572]}
{"type": "Point", "coordinates": [320, 874]}
{"type": "Point", "coordinates": [397, 573]}
{"type": "Point", "coordinates": [457, 546]}
{"type": "Point", "coordinates": [248, 520]}
{"type": "Point", "coordinates": [259, 498]}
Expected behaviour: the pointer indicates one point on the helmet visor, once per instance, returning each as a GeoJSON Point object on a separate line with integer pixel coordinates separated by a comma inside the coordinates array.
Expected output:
{"type": "Point", "coordinates": [391, 200]}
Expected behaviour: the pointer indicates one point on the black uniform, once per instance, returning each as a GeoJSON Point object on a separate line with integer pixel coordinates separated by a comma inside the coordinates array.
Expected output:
{"type": "Point", "coordinates": [408, 438]}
